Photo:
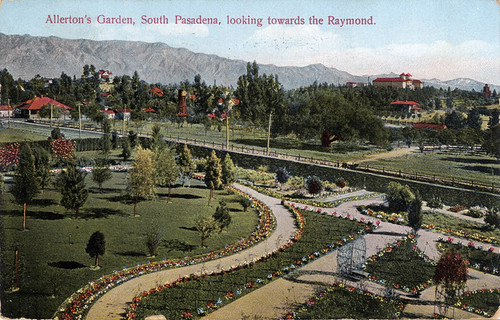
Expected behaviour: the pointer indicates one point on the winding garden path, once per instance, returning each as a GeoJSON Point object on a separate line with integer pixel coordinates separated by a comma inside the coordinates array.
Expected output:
{"type": "Point", "coordinates": [113, 304]}
{"type": "Point", "coordinates": [281, 296]}
{"type": "Point", "coordinates": [278, 297]}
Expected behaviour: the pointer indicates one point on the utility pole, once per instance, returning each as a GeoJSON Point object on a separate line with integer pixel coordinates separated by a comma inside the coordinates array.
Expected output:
{"type": "Point", "coordinates": [227, 131]}
{"type": "Point", "coordinates": [80, 121]}
{"type": "Point", "coordinates": [269, 132]}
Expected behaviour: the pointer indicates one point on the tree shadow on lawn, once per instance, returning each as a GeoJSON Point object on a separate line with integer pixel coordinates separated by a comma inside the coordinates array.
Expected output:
{"type": "Point", "coordinates": [131, 254]}
{"type": "Point", "coordinates": [101, 213]}
{"type": "Point", "coordinates": [465, 160]}
{"type": "Point", "coordinates": [179, 196]}
{"type": "Point", "coordinates": [43, 202]}
{"type": "Point", "coordinates": [42, 215]}
{"type": "Point", "coordinates": [105, 190]}
{"type": "Point", "coordinates": [483, 169]}
{"type": "Point", "coordinates": [67, 265]}
{"type": "Point", "coordinates": [126, 199]}
{"type": "Point", "coordinates": [176, 244]}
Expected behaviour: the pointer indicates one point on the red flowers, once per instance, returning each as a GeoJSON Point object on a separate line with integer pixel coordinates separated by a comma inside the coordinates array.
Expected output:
{"type": "Point", "coordinates": [62, 148]}
{"type": "Point", "coordinates": [8, 154]}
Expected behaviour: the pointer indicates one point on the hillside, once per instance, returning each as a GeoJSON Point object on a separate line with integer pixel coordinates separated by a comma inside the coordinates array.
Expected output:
{"type": "Point", "coordinates": [26, 56]}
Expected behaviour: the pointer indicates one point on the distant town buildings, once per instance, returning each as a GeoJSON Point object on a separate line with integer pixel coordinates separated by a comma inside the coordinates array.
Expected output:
{"type": "Point", "coordinates": [31, 108]}
{"type": "Point", "coordinates": [486, 91]}
{"type": "Point", "coordinates": [6, 111]}
{"type": "Point", "coordinates": [404, 81]}
{"type": "Point", "coordinates": [357, 84]}
{"type": "Point", "coordinates": [105, 76]}
{"type": "Point", "coordinates": [407, 106]}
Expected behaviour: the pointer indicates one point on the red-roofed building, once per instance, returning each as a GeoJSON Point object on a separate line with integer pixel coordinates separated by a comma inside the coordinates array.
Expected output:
{"type": "Point", "coordinates": [148, 110]}
{"type": "Point", "coordinates": [408, 106]}
{"type": "Point", "coordinates": [433, 126]}
{"type": "Point", "coordinates": [6, 111]}
{"type": "Point", "coordinates": [105, 76]}
{"type": "Point", "coordinates": [403, 81]}
{"type": "Point", "coordinates": [110, 114]}
{"type": "Point", "coordinates": [123, 114]}
{"type": "Point", "coordinates": [31, 107]}
{"type": "Point", "coordinates": [157, 92]}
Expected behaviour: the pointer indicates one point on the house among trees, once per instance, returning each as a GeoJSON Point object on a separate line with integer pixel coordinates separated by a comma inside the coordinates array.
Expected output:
{"type": "Point", "coordinates": [356, 84]}
{"type": "Point", "coordinates": [31, 108]}
{"type": "Point", "coordinates": [123, 114]}
{"type": "Point", "coordinates": [105, 76]}
{"type": "Point", "coordinates": [6, 111]}
{"type": "Point", "coordinates": [408, 106]}
{"type": "Point", "coordinates": [404, 81]}
{"type": "Point", "coordinates": [486, 91]}
{"type": "Point", "coordinates": [432, 126]}
{"type": "Point", "coordinates": [157, 92]}
{"type": "Point", "coordinates": [109, 114]}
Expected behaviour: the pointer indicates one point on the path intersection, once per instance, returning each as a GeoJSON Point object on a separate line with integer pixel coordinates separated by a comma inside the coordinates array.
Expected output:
{"type": "Point", "coordinates": [275, 299]}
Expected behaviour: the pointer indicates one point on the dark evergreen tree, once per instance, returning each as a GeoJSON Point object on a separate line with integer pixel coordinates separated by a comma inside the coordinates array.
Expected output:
{"type": "Point", "coordinates": [101, 172]}
{"type": "Point", "coordinates": [222, 215]}
{"type": "Point", "coordinates": [26, 184]}
{"type": "Point", "coordinates": [71, 183]}
{"type": "Point", "coordinates": [228, 170]}
{"type": "Point", "coordinates": [415, 213]}
{"type": "Point", "coordinates": [96, 247]}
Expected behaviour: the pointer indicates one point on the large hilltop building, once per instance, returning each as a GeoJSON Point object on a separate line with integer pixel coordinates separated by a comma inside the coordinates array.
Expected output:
{"type": "Point", "coordinates": [403, 81]}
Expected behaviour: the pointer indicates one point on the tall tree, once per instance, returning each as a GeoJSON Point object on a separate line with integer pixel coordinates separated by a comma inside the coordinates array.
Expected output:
{"type": "Point", "coordinates": [106, 137]}
{"type": "Point", "coordinates": [185, 162]}
{"type": "Point", "coordinates": [222, 215]}
{"type": "Point", "coordinates": [228, 170]}
{"type": "Point", "coordinates": [213, 173]}
{"type": "Point", "coordinates": [450, 274]}
{"type": "Point", "coordinates": [101, 172]}
{"type": "Point", "coordinates": [399, 196]}
{"type": "Point", "coordinates": [71, 184]}
{"type": "Point", "coordinates": [127, 150]}
{"type": "Point", "coordinates": [415, 213]}
{"type": "Point", "coordinates": [205, 227]}
{"type": "Point", "coordinates": [26, 184]}
{"type": "Point", "coordinates": [96, 247]}
{"type": "Point", "coordinates": [142, 176]}
{"type": "Point", "coordinates": [42, 166]}
{"type": "Point", "coordinates": [166, 171]}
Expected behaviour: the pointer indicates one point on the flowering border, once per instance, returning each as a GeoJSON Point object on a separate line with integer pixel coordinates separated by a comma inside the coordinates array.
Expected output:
{"type": "Point", "coordinates": [463, 234]}
{"type": "Point", "coordinates": [397, 218]}
{"type": "Point", "coordinates": [465, 307]}
{"type": "Point", "coordinates": [292, 315]}
{"type": "Point", "coordinates": [390, 248]}
{"type": "Point", "coordinates": [470, 244]}
{"type": "Point", "coordinates": [77, 305]}
{"type": "Point", "coordinates": [331, 204]}
{"type": "Point", "coordinates": [213, 305]}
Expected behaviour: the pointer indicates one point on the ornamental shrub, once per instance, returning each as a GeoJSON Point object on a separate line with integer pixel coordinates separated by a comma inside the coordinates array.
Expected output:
{"type": "Point", "coordinates": [282, 175]}
{"type": "Point", "coordinates": [313, 185]}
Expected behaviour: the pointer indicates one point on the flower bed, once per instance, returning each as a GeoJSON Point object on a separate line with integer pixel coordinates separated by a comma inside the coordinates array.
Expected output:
{"type": "Point", "coordinates": [460, 233]}
{"type": "Point", "coordinates": [393, 263]}
{"type": "Point", "coordinates": [401, 219]}
{"type": "Point", "coordinates": [331, 204]}
{"type": "Point", "coordinates": [76, 306]}
{"type": "Point", "coordinates": [477, 258]}
{"type": "Point", "coordinates": [343, 301]}
{"type": "Point", "coordinates": [483, 302]}
{"type": "Point", "coordinates": [389, 217]}
{"type": "Point", "coordinates": [239, 280]}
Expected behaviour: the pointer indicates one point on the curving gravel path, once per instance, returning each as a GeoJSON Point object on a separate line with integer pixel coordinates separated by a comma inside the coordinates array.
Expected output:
{"type": "Point", "coordinates": [113, 304]}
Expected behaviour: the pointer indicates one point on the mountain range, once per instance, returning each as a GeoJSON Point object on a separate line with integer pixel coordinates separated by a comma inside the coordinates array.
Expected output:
{"type": "Point", "coordinates": [25, 56]}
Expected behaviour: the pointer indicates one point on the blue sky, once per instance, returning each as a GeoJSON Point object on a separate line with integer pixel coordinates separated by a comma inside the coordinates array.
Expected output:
{"type": "Point", "coordinates": [430, 39]}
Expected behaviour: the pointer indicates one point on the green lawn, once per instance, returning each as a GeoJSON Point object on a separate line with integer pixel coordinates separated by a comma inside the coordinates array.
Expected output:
{"type": "Point", "coordinates": [339, 303]}
{"type": "Point", "coordinates": [459, 165]}
{"type": "Point", "coordinates": [53, 262]}
{"type": "Point", "coordinates": [319, 231]}
{"type": "Point", "coordinates": [393, 266]}
{"type": "Point", "coordinates": [18, 135]}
